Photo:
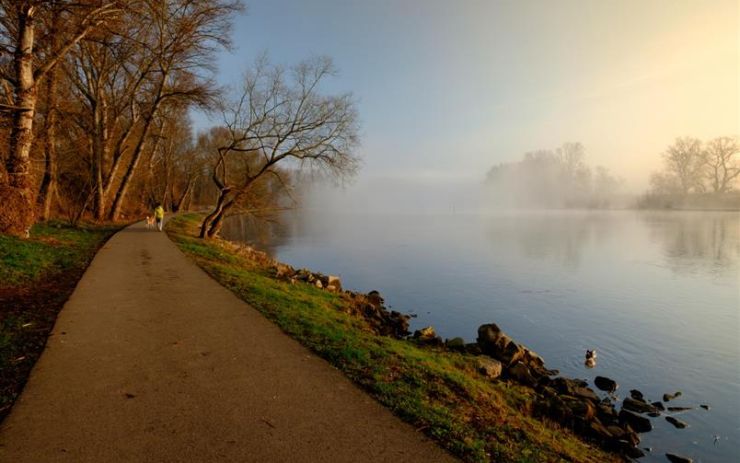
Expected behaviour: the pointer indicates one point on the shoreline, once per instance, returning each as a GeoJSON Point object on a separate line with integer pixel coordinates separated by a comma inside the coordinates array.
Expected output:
{"type": "Point", "coordinates": [664, 438]}
{"type": "Point", "coordinates": [477, 406]}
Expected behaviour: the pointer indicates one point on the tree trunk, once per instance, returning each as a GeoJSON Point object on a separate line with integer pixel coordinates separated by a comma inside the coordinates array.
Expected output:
{"type": "Point", "coordinates": [207, 224]}
{"type": "Point", "coordinates": [218, 221]}
{"type": "Point", "coordinates": [115, 211]}
{"type": "Point", "coordinates": [177, 205]}
{"type": "Point", "coordinates": [47, 191]}
{"type": "Point", "coordinates": [188, 199]}
{"type": "Point", "coordinates": [18, 213]}
{"type": "Point", "coordinates": [100, 155]}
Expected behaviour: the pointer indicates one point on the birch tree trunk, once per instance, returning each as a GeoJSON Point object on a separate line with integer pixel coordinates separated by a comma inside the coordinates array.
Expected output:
{"type": "Point", "coordinates": [21, 136]}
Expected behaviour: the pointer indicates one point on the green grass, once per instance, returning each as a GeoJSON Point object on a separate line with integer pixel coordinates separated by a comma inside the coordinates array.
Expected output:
{"type": "Point", "coordinates": [37, 275]}
{"type": "Point", "coordinates": [437, 391]}
{"type": "Point", "coordinates": [52, 248]}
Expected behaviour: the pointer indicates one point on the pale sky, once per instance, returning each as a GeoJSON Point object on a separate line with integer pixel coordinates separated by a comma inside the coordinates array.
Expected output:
{"type": "Point", "coordinates": [448, 88]}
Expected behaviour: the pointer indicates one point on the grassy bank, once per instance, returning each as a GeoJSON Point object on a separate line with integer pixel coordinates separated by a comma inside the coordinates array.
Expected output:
{"type": "Point", "coordinates": [37, 275]}
{"type": "Point", "coordinates": [437, 391]}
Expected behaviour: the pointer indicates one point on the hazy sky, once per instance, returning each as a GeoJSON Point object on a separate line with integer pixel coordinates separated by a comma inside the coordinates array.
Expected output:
{"type": "Point", "coordinates": [448, 88]}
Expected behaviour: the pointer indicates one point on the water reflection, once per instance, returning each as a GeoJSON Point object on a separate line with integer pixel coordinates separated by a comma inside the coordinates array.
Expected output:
{"type": "Point", "coordinates": [555, 236]}
{"type": "Point", "coordinates": [697, 242]}
{"type": "Point", "coordinates": [266, 234]}
{"type": "Point", "coordinates": [691, 243]}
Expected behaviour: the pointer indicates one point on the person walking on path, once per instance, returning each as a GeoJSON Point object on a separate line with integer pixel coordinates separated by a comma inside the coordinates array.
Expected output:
{"type": "Point", "coordinates": [159, 216]}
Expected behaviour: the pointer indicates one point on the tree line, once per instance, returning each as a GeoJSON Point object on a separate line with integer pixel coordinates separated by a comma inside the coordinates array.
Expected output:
{"type": "Point", "coordinates": [94, 109]}
{"type": "Point", "coordinates": [691, 166]}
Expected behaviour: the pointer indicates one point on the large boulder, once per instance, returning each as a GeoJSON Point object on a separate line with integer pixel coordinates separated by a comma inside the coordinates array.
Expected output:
{"type": "Point", "coordinates": [473, 348]}
{"type": "Point", "coordinates": [579, 407]}
{"type": "Point", "coordinates": [488, 367]}
{"type": "Point", "coordinates": [605, 384]}
{"type": "Point", "coordinates": [567, 386]}
{"type": "Point", "coordinates": [334, 281]}
{"type": "Point", "coordinates": [636, 422]}
{"type": "Point", "coordinates": [495, 343]}
{"type": "Point", "coordinates": [456, 344]}
{"type": "Point", "coordinates": [283, 271]}
{"type": "Point", "coordinates": [599, 431]}
{"type": "Point", "coordinates": [638, 406]}
{"type": "Point", "coordinates": [533, 360]}
{"type": "Point", "coordinates": [492, 340]}
{"type": "Point", "coordinates": [586, 393]}
{"type": "Point", "coordinates": [521, 373]}
{"type": "Point", "coordinates": [375, 298]}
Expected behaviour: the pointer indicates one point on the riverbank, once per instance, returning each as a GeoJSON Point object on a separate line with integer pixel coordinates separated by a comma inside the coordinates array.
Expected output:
{"type": "Point", "coordinates": [37, 275]}
{"type": "Point", "coordinates": [439, 391]}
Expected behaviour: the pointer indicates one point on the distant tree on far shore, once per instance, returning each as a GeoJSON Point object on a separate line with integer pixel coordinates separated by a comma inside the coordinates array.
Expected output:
{"type": "Point", "coordinates": [721, 163]}
{"type": "Point", "coordinates": [557, 178]}
{"type": "Point", "coordinates": [696, 175]}
{"type": "Point", "coordinates": [693, 167]}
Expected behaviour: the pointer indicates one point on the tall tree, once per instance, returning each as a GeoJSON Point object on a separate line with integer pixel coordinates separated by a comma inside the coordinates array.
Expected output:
{"type": "Point", "coordinates": [184, 36]}
{"type": "Point", "coordinates": [47, 190]}
{"type": "Point", "coordinates": [684, 161]}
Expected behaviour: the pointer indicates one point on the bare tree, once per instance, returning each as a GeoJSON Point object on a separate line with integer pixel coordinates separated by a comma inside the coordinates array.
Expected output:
{"type": "Point", "coordinates": [18, 30]}
{"type": "Point", "coordinates": [281, 119]}
{"type": "Point", "coordinates": [721, 163]}
{"type": "Point", "coordinates": [684, 161]}
{"type": "Point", "coordinates": [157, 57]}
{"type": "Point", "coordinates": [48, 188]}
{"type": "Point", "coordinates": [184, 36]}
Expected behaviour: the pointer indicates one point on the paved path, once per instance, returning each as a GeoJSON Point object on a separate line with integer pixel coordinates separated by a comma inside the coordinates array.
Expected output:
{"type": "Point", "coordinates": [152, 361]}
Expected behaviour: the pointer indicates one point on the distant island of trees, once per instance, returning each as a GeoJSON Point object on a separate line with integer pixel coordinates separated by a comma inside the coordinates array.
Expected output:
{"type": "Point", "coordinates": [558, 178]}
{"type": "Point", "coordinates": [695, 175]}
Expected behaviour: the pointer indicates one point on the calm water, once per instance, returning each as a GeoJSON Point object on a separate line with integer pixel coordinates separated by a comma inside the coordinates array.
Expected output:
{"type": "Point", "coordinates": [657, 294]}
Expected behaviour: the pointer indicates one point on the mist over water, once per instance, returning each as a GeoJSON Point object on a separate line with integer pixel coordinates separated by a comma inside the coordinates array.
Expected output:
{"type": "Point", "coordinates": [656, 293]}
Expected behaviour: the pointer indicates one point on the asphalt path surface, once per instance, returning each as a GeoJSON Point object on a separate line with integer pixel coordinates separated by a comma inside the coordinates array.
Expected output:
{"type": "Point", "coordinates": [153, 361]}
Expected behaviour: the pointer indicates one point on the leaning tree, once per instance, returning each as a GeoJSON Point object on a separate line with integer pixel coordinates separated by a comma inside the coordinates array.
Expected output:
{"type": "Point", "coordinates": [281, 119]}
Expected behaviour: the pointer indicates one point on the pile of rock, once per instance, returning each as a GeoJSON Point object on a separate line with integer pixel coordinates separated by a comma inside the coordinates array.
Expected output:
{"type": "Point", "coordinates": [568, 401]}
{"type": "Point", "coordinates": [286, 272]}
{"type": "Point", "coordinates": [381, 320]}
{"type": "Point", "coordinates": [368, 306]}
{"type": "Point", "coordinates": [254, 255]}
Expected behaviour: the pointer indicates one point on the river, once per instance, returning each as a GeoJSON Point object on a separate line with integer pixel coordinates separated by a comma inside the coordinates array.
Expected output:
{"type": "Point", "coordinates": [657, 294]}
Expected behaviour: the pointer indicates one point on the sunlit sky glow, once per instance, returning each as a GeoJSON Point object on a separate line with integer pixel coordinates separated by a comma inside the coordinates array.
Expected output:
{"type": "Point", "coordinates": [448, 88]}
